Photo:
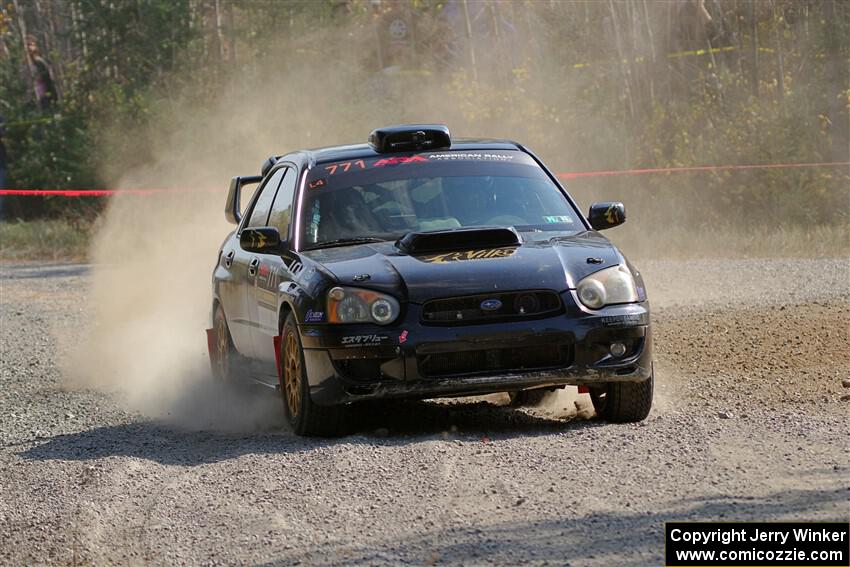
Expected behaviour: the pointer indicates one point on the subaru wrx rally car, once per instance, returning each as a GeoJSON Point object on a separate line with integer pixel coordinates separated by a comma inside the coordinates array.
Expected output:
{"type": "Point", "coordinates": [417, 266]}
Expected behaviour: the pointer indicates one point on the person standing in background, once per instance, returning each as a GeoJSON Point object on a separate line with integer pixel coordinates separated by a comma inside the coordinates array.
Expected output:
{"type": "Point", "coordinates": [42, 77]}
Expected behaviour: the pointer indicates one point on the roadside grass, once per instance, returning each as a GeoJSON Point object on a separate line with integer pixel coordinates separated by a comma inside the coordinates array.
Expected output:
{"type": "Point", "coordinates": [53, 240]}
{"type": "Point", "coordinates": [68, 240]}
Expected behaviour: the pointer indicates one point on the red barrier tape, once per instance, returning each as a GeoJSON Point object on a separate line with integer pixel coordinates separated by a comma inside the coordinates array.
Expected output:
{"type": "Point", "coordinates": [572, 175]}
{"type": "Point", "coordinates": [95, 192]}
{"type": "Point", "coordinates": [578, 174]}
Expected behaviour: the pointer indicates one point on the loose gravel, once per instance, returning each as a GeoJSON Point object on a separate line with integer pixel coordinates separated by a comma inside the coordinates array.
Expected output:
{"type": "Point", "coordinates": [750, 423]}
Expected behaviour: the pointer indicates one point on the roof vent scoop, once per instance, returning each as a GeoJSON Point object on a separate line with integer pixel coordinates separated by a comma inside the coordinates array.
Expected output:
{"type": "Point", "coordinates": [410, 137]}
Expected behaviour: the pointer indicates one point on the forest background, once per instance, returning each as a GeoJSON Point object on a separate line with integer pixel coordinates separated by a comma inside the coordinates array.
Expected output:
{"type": "Point", "coordinates": [595, 85]}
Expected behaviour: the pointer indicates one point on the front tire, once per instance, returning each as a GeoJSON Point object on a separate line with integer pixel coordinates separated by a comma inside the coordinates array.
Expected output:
{"type": "Point", "coordinates": [305, 417]}
{"type": "Point", "coordinates": [623, 402]}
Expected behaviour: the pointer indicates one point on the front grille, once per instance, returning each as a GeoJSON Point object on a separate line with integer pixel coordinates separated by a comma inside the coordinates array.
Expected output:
{"type": "Point", "coordinates": [472, 309]}
{"type": "Point", "coordinates": [512, 359]}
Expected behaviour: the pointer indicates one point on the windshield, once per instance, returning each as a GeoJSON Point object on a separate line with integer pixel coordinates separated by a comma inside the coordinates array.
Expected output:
{"type": "Point", "coordinates": [385, 198]}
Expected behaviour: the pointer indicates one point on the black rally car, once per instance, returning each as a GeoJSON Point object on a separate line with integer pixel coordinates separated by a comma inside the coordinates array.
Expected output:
{"type": "Point", "coordinates": [416, 266]}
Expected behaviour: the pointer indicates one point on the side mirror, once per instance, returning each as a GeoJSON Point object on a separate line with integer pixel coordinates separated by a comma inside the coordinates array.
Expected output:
{"type": "Point", "coordinates": [232, 211]}
{"type": "Point", "coordinates": [265, 240]}
{"type": "Point", "coordinates": [606, 215]}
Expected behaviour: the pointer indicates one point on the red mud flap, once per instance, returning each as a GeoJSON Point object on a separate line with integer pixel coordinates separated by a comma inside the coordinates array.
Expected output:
{"type": "Point", "coordinates": [212, 345]}
{"type": "Point", "coordinates": [583, 390]}
{"type": "Point", "coordinates": [276, 341]}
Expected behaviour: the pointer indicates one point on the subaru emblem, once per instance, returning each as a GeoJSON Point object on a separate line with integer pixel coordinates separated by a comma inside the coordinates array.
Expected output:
{"type": "Point", "coordinates": [491, 305]}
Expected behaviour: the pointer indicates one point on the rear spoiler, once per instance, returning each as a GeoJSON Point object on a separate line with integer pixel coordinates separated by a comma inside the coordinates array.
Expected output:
{"type": "Point", "coordinates": [232, 211]}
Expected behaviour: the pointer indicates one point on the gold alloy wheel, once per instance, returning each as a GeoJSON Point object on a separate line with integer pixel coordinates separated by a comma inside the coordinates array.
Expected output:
{"type": "Point", "coordinates": [292, 374]}
{"type": "Point", "coordinates": [223, 346]}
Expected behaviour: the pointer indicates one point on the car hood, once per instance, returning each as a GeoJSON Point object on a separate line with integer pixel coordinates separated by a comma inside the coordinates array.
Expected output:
{"type": "Point", "coordinates": [557, 264]}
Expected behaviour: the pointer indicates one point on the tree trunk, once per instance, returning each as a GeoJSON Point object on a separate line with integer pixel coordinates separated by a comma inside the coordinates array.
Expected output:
{"type": "Point", "coordinates": [219, 32]}
{"type": "Point", "coordinates": [838, 82]}
{"type": "Point", "coordinates": [470, 43]}
{"type": "Point", "coordinates": [624, 70]}
{"type": "Point", "coordinates": [653, 64]}
{"type": "Point", "coordinates": [754, 46]}
{"type": "Point", "coordinates": [231, 34]}
{"type": "Point", "coordinates": [780, 70]}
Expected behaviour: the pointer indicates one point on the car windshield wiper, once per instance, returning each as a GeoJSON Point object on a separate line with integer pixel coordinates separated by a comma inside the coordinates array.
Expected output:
{"type": "Point", "coordinates": [345, 242]}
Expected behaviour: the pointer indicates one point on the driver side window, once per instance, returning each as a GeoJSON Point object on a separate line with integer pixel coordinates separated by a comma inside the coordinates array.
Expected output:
{"type": "Point", "coordinates": [260, 212]}
{"type": "Point", "coordinates": [282, 210]}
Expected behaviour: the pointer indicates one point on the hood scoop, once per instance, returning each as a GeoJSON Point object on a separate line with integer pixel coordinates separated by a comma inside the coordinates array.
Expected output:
{"type": "Point", "coordinates": [473, 238]}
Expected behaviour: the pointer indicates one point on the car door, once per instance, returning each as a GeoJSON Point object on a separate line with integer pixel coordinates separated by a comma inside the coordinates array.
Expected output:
{"type": "Point", "coordinates": [263, 294]}
{"type": "Point", "coordinates": [243, 267]}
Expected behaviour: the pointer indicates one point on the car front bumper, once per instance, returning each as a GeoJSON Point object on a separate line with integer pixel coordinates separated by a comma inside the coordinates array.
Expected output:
{"type": "Point", "coordinates": [409, 359]}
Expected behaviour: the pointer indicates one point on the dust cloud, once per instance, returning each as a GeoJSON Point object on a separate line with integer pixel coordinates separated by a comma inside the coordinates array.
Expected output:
{"type": "Point", "coordinates": [153, 255]}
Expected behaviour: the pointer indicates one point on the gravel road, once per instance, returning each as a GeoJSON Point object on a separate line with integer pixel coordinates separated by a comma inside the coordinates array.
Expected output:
{"type": "Point", "coordinates": [750, 423]}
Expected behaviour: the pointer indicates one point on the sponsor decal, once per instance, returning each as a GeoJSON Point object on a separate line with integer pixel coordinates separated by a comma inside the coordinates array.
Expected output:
{"type": "Point", "coordinates": [266, 277]}
{"type": "Point", "coordinates": [624, 320]}
{"type": "Point", "coordinates": [363, 340]}
{"type": "Point", "coordinates": [402, 338]}
{"type": "Point", "coordinates": [557, 219]}
{"type": "Point", "coordinates": [344, 166]}
{"type": "Point", "coordinates": [458, 156]}
{"type": "Point", "coordinates": [258, 239]}
{"type": "Point", "coordinates": [398, 160]}
{"type": "Point", "coordinates": [293, 267]}
{"type": "Point", "coordinates": [469, 255]}
{"type": "Point", "coordinates": [272, 279]}
{"type": "Point", "coordinates": [314, 316]}
{"type": "Point", "coordinates": [612, 215]}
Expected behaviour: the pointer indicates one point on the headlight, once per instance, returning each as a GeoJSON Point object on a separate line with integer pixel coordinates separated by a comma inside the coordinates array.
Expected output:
{"type": "Point", "coordinates": [351, 305]}
{"type": "Point", "coordinates": [608, 286]}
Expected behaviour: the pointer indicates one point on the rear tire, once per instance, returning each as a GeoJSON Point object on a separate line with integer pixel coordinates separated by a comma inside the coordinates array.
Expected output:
{"type": "Point", "coordinates": [623, 402]}
{"type": "Point", "coordinates": [305, 417]}
{"type": "Point", "coordinates": [527, 398]}
{"type": "Point", "coordinates": [226, 358]}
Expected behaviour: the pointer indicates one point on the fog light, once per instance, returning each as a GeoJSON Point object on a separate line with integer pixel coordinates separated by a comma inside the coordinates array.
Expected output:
{"type": "Point", "coordinates": [382, 311]}
{"type": "Point", "coordinates": [617, 349]}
